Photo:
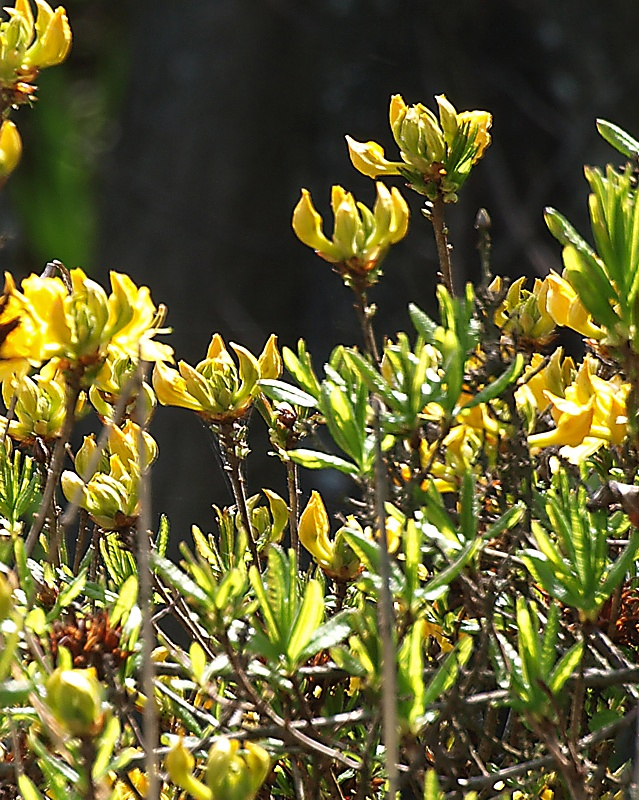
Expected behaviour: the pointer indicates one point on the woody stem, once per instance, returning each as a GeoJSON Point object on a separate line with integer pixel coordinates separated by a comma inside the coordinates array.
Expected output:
{"type": "Point", "coordinates": [55, 467]}
{"type": "Point", "coordinates": [443, 247]}
{"type": "Point", "coordinates": [229, 441]}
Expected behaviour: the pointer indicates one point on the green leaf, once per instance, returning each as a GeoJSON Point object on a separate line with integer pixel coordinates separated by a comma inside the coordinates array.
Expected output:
{"type": "Point", "coordinates": [162, 539]}
{"type": "Point", "coordinates": [549, 643]}
{"type": "Point", "coordinates": [434, 587]}
{"type": "Point", "coordinates": [14, 693]}
{"type": "Point", "coordinates": [566, 665]}
{"type": "Point", "coordinates": [618, 138]}
{"type": "Point", "coordinates": [28, 790]}
{"type": "Point", "coordinates": [424, 325]}
{"type": "Point", "coordinates": [494, 389]}
{"type": "Point", "coordinates": [313, 459]}
{"type": "Point", "coordinates": [341, 421]}
{"type": "Point", "coordinates": [283, 392]}
{"type": "Point", "coordinates": [410, 676]}
{"type": "Point", "coordinates": [268, 611]}
{"type": "Point", "coordinates": [469, 507]}
{"type": "Point", "coordinates": [528, 639]}
{"type": "Point", "coordinates": [301, 368]}
{"type": "Point", "coordinates": [198, 660]}
{"type": "Point", "coordinates": [179, 580]}
{"type": "Point", "coordinates": [107, 741]}
{"type": "Point", "coordinates": [126, 600]}
{"type": "Point", "coordinates": [506, 521]}
{"type": "Point", "coordinates": [564, 232]}
{"type": "Point", "coordinates": [622, 564]}
{"type": "Point", "coordinates": [329, 634]}
{"type": "Point", "coordinates": [432, 790]}
{"type": "Point", "coordinates": [446, 675]}
{"type": "Point", "coordinates": [308, 620]}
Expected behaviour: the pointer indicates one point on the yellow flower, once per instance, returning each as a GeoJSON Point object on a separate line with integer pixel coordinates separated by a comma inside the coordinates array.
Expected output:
{"type": "Point", "coordinates": [572, 424]}
{"type": "Point", "coordinates": [179, 763]}
{"type": "Point", "coordinates": [109, 489]}
{"type": "Point", "coordinates": [436, 155]}
{"type": "Point", "coordinates": [234, 770]}
{"type": "Point", "coordinates": [591, 413]}
{"type": "Point", "coordinates": [554, 377]}
{"type": "Point", "coordinates": [336, 558]}
{"type": "Point", "coordinates": [565, 307]}
{"type": "Point", "coordinates": [523, 313]}
{"type": "Point", "coordinates": [38, 404]}
{"type": "Point", "coordinates": [113, 379]}
{"type": "Point", "coordinates": [10, 149]}
{"type": "Point", "coordinates": [80, 326]}
{"type": "Point", "coordinates": [217, 388]}
{"type": "Point", "coordinates": [27, 46]}
{"type": "Point", "coordinates": [361, 237]}
{"type": "Point", "coordinates": [368, 158]}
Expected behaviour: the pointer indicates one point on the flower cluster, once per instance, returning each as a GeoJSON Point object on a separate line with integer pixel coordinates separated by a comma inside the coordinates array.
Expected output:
{"type": "Point", "coordinates": [437, 155]}
{"type": "Point", "coordinates": [78, 324]}
{"type": "Point", "coordinates": [589, 413]}
{"type": "Point", "coordinates": [106, 483]}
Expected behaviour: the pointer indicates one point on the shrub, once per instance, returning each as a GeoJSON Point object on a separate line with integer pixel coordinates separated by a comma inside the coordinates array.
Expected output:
{"type": "Point", "coordinates": [466, 628]}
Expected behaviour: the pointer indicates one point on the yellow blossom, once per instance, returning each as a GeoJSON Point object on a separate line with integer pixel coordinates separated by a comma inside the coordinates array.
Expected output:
{"type": "Point", "coordinates": [436, 155]}
{"type": "Point", "coordinates": [28, 45]}
{"type": "Point", "coordinates": [558, 373]}
{"type": "Point", "coordinates": [44, 320]}
{"type": "Point", "coordinates": [108, 487]}
{"type": "Point", "coordinates": [217, 388]}
{"type": "Point", "coordinates": [235, 770]}
{"type": "Point", "coordinates": [38, 404]}
{"type": "Point", "coordinates": [10, 149]}
{"type": "Point", "coordinates": [361, 237]}
{"type": "Point", "coordinates": [75, 698]}
{"type": "Point", "coordinates": [565, 307]}
{"type": "Point", "coordinates": [591, 413]}
{"type": "Point", "coordinates": [336, 558]}
{"type": "Point", "coordinates": [523, 313]}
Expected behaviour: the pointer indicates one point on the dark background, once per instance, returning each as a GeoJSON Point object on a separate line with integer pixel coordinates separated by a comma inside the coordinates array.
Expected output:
{"type": "Point", "coordinates": [173, 144]}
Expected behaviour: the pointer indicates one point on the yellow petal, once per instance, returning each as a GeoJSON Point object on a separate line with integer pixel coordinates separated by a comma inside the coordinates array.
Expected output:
{"type": "Point", "coordinates": [368, 158]}
{"type": "Point", "coordinates": [170, 388]}
{"type": "Point", "coordinates": [397, 110]}
{"type": "Point", "coordinates": [10, 148]}
{"type": "Point", "coordinates": [270, 360]}
{"type": "Point", "coordinates": [313, 530]}
{"type": "Point", "coordinates": [447, 118]}
{"type": "Point", "coordinates": [307, 224]}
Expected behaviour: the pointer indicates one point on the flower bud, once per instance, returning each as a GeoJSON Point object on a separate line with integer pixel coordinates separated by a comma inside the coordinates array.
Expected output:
{"type": "Point", "coordinates": [235, 773]}
{"type": "Point", "coordinates": [75, 698]}
{"type": "Point", "coordinates": [10, 149]}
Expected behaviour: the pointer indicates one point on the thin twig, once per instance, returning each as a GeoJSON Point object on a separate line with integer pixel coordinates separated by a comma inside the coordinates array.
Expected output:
{"type": "Point", "coordinates": [57, 460]}
{"type": "Point", "coordinates": [292, 479]}
{"type": "Point", "coordinates": [365, 317]}
{"type": "Point", "coordinates": [229, 437]}
{"type": "Point", "coordinates": [600, 735]}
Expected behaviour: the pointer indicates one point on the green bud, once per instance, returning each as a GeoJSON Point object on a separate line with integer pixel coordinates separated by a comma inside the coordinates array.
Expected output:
{"type": "Point", "coordinates": [75, 698]}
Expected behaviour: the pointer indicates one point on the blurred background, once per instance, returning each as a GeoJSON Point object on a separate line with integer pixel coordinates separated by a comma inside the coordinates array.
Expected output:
{"type": "Point", "coordinates": [173, 144]}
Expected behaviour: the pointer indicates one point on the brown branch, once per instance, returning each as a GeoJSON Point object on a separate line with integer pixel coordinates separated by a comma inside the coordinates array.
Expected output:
{"type": "Point", "coordinates": [443, 247]}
